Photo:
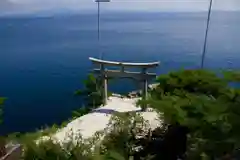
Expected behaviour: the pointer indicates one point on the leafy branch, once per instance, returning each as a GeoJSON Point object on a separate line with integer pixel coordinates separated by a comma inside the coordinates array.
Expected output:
{"type": "Point", "coordinates": [1, 108]}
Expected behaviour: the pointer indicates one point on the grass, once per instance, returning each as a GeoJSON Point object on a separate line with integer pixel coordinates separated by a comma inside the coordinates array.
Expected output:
{"type": "Point", "coordinates": [31, 136]}
{"type": "Point", "coordinates": [51, 151]}
{"type": "Point", "coordinates": [29, 139]}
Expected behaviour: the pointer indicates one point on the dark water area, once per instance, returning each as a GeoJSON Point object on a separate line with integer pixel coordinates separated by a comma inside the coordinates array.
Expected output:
{"type": "Point", "coordinates": [44, 60]}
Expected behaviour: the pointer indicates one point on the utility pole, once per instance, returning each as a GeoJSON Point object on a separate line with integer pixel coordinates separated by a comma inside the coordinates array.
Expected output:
{"type": "Point", "coordinates": [103, 77]}
{"type": "Point", "coordinates": [99, 38]}
{"type": "Point", "coordinates": [206, 34]}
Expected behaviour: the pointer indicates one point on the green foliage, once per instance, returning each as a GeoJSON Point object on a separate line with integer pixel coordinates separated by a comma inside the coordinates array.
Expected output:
{"type": "Point", "coordinates": [197, 82]}
{"type": "Point", "coordinates": [25, 138]}
{"type": "Point", "coordinates": [81, 112]}
{"type": "Point", "coordinates": [92, 92]}
{"type": "Point", "coordinates": [232, 76]}
{"type": "Point", "coordinates": [53, 151]}
{"type": "Point", "coordinates": [117, 145]}
{"type": "Point", "coordinates": [76, 148]}
{"type": "Point", "coordinates": [121, 142]}
{"type": "Point", "coordinates": [1, 108]}
{"type": "Point", "coordinates": [204, 103]}
{"type": "Point", "coordinates": [92, 95]}
{"type": "Point", "coordinates": [2, 100]}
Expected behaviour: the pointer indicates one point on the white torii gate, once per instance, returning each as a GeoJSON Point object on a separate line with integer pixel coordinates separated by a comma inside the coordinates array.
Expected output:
{"type": "Point", "coordinates": [143, 76]}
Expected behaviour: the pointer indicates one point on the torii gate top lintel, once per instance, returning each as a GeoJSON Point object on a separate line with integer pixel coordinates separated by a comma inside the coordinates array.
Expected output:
{"type": "Point", "coordinates": [126, 64]}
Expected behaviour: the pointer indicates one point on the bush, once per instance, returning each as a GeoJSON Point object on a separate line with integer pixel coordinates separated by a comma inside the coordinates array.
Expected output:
{"type": "Point", "coordinates": [52, 150]}
{"type": "Point", "coordinates": [1, 108]}
{"type": "Point", "coordinates": [93, 92]}
{"type": "Point", "coordinates": [120, 143]}
{"type": "Point", "coordinates": [205, 104]}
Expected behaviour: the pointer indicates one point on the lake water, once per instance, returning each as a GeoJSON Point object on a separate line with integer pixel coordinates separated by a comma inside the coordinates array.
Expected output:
{"type": "Point", "coordinates": [44, 60]}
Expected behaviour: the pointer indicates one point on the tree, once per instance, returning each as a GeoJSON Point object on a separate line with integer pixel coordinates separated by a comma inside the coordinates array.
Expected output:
{"type": "Point", "coordinates": [2, 140]}
{"type": "Point", "coordinates": [120, 142]}
{"type": "Point", "coordinates": [92, 93]}
{"type": "Point", "coordinates": [206, 105]}
{"type": "Point", "coordinates": [1, 108]}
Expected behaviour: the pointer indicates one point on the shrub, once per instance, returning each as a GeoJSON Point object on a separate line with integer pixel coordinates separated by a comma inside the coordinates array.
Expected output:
{"type": "Point", "coordinates": [92, 93]}
{"type": "Point", "coordinates": [52, 150]}
{"type": "Point", "coordinates": [1, 108]}
{"type": "Point", "coordinates": [205, 104]}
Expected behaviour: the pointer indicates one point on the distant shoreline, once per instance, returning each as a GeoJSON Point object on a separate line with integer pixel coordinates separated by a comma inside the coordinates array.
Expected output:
{"type": "Point", "coordinates": [52, 14]}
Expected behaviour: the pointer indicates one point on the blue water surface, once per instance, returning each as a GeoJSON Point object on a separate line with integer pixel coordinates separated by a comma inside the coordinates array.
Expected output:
{"type": "Point", "coordinates": [43, 60]}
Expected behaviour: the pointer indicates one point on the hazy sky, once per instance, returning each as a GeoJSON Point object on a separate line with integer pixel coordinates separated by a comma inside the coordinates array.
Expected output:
{"type": "Point", "coordinates": [28, 6]}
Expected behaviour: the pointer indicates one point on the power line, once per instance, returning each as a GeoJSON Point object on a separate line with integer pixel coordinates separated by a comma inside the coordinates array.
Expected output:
{"type": "Point", "coordinates": [99, 36]}
{"type": "Point", "coordinates": [99, 40]}
{"type": "Point", "coordinates": [206, 34]}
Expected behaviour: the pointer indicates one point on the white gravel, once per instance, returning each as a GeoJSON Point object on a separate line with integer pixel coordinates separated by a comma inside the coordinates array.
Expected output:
{"type": "Point", "coordinates": [98, 120]}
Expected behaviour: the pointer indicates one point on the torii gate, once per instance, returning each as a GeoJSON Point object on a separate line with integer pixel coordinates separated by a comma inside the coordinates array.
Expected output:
{"type": "Point", "coordinates": [143, 76]}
